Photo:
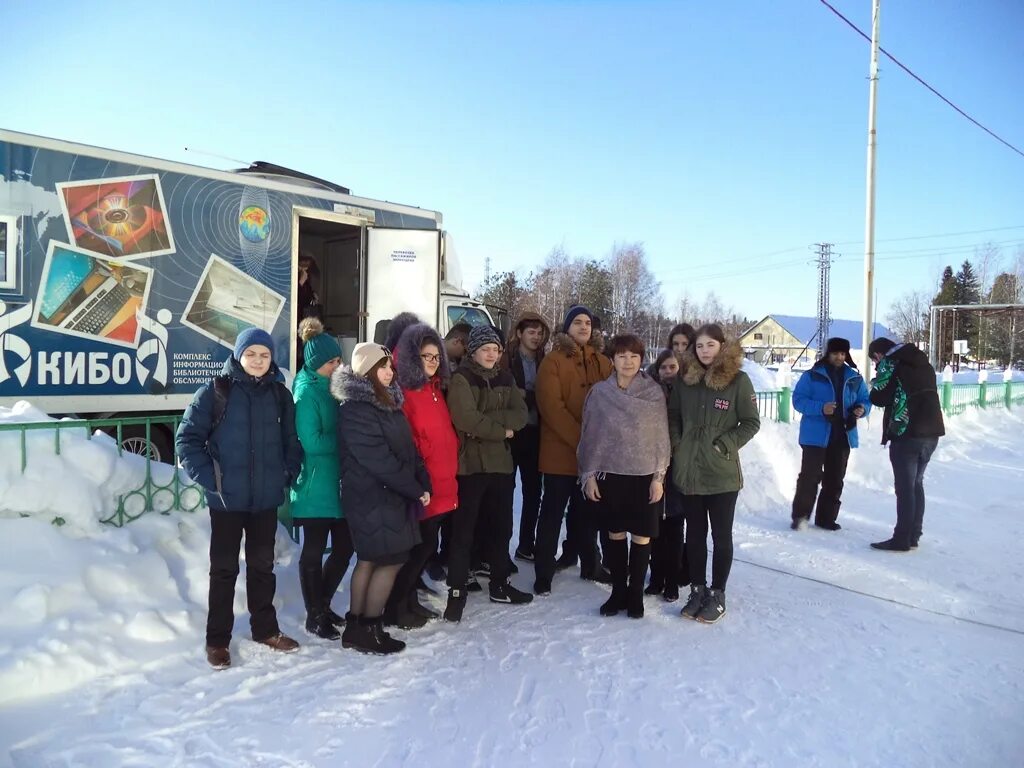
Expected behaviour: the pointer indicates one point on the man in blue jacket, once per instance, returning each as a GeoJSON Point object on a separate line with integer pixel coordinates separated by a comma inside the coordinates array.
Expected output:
{"type": "Point", "coordinates": [237, 440]}
{"type": "Point", "coordinates": [830, 397]}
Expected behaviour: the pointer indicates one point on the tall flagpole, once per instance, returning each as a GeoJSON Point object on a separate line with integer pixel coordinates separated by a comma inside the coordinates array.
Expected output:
{"type": "Point", "coordinates": [869, 218]}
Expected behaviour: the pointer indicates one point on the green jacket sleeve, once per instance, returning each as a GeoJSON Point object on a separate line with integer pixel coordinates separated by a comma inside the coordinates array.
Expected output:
{"type": "Point", "coordinates": [466, 416]}
{"type": "Point", "coordinates": [749, 420]}
{"type": "Point", "coordinates": [517, 414]}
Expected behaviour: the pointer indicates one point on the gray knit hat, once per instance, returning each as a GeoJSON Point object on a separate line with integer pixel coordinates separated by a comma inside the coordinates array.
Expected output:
{"type": "Point", "coordinates": [480, 335]}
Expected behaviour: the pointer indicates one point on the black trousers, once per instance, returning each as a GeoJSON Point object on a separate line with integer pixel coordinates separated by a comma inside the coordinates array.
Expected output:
{"type": "Point", "coordinates": [489, 495]}
{"type": "Point", "coordinates": [405, 582]}
{"type": "Point", "coordinates": [720, 510]}
{"type": "Point", "coordinates": [227, 528]}
{"type": "Point", "coordinates": [826, 466]}
{"type": "Point", "coordinates": [315, 532]}
{"type": "Point", "coordinates": [525, 455]}
{"type": "Point", "coordinates": [669, 564]}
{"type": "Point", "coordinates": [559, 491]}
{"type": "Point", "coordinates": [909, 457]}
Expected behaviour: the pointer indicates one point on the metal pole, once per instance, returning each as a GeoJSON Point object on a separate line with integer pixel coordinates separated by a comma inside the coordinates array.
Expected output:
{"type": "Point", "coordinates": [869, 218]}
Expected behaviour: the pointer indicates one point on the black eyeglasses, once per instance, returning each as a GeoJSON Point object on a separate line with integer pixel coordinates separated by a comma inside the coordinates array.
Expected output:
{"type": "Point", "coordinates": [429, 358]}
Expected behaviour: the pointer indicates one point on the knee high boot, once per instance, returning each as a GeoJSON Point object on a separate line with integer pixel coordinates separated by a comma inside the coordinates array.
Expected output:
{"type": "Point", "coordinates": [639, 557]}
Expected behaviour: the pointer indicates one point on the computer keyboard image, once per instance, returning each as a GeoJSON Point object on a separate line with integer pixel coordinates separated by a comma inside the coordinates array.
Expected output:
{"type": "Point", "coordinates": [100, 310]}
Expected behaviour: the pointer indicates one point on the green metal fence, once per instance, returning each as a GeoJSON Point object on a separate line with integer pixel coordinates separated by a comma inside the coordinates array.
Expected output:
{"type": "Point", "coordinates": [163, 488]}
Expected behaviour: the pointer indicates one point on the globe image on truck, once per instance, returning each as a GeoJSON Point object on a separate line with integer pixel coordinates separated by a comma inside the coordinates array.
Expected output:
{"type": "Point", "coordinates": [254, 224]}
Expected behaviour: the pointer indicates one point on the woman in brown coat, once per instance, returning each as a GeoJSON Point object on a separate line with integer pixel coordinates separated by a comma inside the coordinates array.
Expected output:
{"type": "Point", "coordinates": [564, 379]}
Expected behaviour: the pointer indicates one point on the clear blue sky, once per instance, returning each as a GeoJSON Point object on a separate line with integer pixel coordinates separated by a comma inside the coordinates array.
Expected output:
{"type": "Point", "coordinates": [717, 133]}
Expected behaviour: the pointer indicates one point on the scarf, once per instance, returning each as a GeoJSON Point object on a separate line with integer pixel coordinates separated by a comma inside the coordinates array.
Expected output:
{"type": "Point", "coordinates": [899, 418]}
{"type": "Point", "coordinates": [625, 432]}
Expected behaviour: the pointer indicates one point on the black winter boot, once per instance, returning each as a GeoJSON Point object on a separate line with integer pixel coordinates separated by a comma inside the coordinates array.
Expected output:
{"type": "Point", "coordinates": [331, 582]}
{"type": "Point", "coordinates": [506, 593]}
{"type": "Point", "coordinates": [381, 642]}
{"type": "Point", "coordinates": [615, 555]}
{"type": "Point", "coordinates": [356, 634]}
{"type": "Point", "coordinates": [639, 557]}
{"type": "Point", "coordinates": [317, 622]}
{"type": "Point", "coordinates": [456, 605]}
{"type": "Point", "coordinates": [397, 614]}
{"type": "Point", "coordinates": [695, 603]}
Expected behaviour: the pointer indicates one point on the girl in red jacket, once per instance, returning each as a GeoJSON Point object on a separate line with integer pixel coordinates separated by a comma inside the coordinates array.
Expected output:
{"type": "Point", "coordinates": [423, 370]}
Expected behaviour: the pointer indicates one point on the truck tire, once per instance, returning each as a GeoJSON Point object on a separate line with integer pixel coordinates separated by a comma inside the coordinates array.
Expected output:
{"type": "Point", "coordinates": [159, 448]}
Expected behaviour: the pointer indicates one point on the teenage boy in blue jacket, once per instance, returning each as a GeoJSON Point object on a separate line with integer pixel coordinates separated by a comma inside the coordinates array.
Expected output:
{"type": "Point", "coordinates": [237, 440]}
{"type": "Point", "coordinates": [831, 397]}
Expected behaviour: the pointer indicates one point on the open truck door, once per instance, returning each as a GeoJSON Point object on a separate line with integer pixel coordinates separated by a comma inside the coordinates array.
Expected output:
{"type": "Point", "coordinates": [403, 274]}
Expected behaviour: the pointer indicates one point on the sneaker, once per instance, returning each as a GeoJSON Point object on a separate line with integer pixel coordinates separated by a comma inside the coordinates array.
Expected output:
{"type": "Point", "coordinates": [695, 603]}
{"type": "Point", "coordinates": [671, 593]}
{"type": "Point", "coordinates": [218, 658]}
{"type": "Point", "coordinates": [481, 569]}
{"type": "Point", "coordinates": [800, 524]}
{"type": "Point", "coordinates": [890, 545]}
{"type": "Point", "coordinates": [506, 593]}
{"type": "Point", "coordinates": [524, 554]}
{"type": "Point", "coordinates": [542, 587]}
{"type": "Point", "coordinates": [456, 605]}
{"type": "Point", "coordinates": [280, 642]}
{"type": "Point", "coordinates": [829, 526]}
{"type": "Point", "coordinates": [322, 627]}
{"type": "Point", "coordinates": [713, 608]}
{"type": "Point", "coordinates": [615, 603]}
{"type": "Point", "coordinates": [472, 585]}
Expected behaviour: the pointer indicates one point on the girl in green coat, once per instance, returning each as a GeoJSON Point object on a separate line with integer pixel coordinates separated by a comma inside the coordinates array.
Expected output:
{"type": "Point", "coordinates": [315, 497]}
{"type": "Point", "coordinates": [712, 413]}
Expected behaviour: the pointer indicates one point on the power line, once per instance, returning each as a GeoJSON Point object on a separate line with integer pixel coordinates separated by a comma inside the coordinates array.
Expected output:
{"type": "Point", "coordinates": [907, 69]}
{"type": "Point", "coordinates": [930, 237]}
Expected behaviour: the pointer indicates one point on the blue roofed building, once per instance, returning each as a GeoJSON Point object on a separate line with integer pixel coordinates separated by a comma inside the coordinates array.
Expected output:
{"type": "Point", "coordinates": [790, 339]}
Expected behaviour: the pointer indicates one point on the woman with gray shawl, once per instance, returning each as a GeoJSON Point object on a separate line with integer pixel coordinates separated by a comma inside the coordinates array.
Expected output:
{"type": "Point", "coordinates": [623, 455]}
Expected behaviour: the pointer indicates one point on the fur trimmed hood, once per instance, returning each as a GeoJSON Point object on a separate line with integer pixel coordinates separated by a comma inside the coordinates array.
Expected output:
{"type": "Point", "coordinates": [347, 386]}
{"type": "Point", "coordinates": [397, 327]}
{"type": "Point", "coordinates": [719, 374]}
{"type": "Point", "coordinates": [410, 373]}
{"type": "Point", "coordinates": [563, 342]}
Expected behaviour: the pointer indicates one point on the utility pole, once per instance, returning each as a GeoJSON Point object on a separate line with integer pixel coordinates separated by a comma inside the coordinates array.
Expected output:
{"type": "Point", "coordinates": [487, 270]}
{"type": "Point", "coordinates": [869, 216]}
{"type": "Point", "coordinates": [824, 253]}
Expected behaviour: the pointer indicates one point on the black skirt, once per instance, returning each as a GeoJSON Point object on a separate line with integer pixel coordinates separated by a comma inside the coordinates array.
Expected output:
{"type": "Point", "coordinates": [624, 505]}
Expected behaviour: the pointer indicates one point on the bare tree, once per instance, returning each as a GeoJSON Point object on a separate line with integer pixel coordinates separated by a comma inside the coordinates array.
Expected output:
{"type": "Point", "coordinates": [908, 316]}
{"type": "Point", "coordinates": [635, 292]}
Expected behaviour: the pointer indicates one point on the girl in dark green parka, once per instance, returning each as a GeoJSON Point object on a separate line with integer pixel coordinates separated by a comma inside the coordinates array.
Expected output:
{"type": "Point", "coordinates": [315, 497]}
{"type": "Point", "coordinates": [712, 413]}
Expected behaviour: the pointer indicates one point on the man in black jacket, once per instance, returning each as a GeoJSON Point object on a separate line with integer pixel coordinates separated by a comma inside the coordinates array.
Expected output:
{"type": "Point", "coordinates": [912, 425]}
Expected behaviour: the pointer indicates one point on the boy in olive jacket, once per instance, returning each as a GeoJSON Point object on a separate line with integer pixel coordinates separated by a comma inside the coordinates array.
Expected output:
{"type": "Point", "coordinates": [487, 409]}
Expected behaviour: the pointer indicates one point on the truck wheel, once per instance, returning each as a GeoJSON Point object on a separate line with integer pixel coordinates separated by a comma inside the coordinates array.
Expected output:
{"type": "Point", "coordinates": [159, 448]}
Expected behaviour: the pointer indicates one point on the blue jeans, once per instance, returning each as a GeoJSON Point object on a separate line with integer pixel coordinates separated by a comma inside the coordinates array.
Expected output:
{"type": "Point", "coordinates": [909, 457]}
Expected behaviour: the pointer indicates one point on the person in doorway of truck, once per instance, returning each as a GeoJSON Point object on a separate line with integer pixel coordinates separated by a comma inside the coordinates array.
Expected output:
{"type": "Point", "coordinates": [487, 410]}
{"type": "Point", "coordinates": [308, 303]}
{"type": "Point", "coordinates": [523, 356]}
{"type": "Point", "coordinates": [712, 414]}
{"type": "Point", "coordinates": [422, 373]}
{"type": "Point", "coordinates": [830, 397]}
{"type": "Point", "coordinates": [912, 425]}
{"type": "Point", "coordinates": [564, 378]}
{"type": "Point", "coordinates": [669, 569]}
{"type": "Point", "coordinates": [237, 440]}
{"type": "Point", "coordinates": [316, 504]}
{"type": "Point", "coordinates": [384, 488]}
{"type": "Point", "coordinates": [623, 455]}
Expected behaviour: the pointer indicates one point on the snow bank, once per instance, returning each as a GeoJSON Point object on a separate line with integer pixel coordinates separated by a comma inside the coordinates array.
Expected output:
{"type": "Point", "coordinates": [763, 379]}
{"type": "Point", "coordinates": [102, 620]}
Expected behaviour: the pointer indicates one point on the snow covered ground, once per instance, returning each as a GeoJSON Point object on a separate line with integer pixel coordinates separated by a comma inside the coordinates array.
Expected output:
{"type": "Point", "coordinates": [832, 654]}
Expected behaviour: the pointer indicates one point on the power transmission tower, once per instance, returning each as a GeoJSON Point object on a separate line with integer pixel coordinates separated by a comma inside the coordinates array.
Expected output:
{"type": "Point", "coordinates": [824, 254]}
{"type": "Point", "coordinates": [487, 270]}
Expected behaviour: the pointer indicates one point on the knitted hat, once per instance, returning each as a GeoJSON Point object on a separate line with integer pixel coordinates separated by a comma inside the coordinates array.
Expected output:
{"type": "Point", "coordinates": [572, 314]}
{"type": "Point", "coordinates": [880, 346]}
{"type": "Point", "coordinates": [480, 335]}
{"type": "Point", "coordinates": [318, 347]}
{"type": "Point", "coordinates": [367, 355]}
{"type": "Point", "coordinates": [251, 336]}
